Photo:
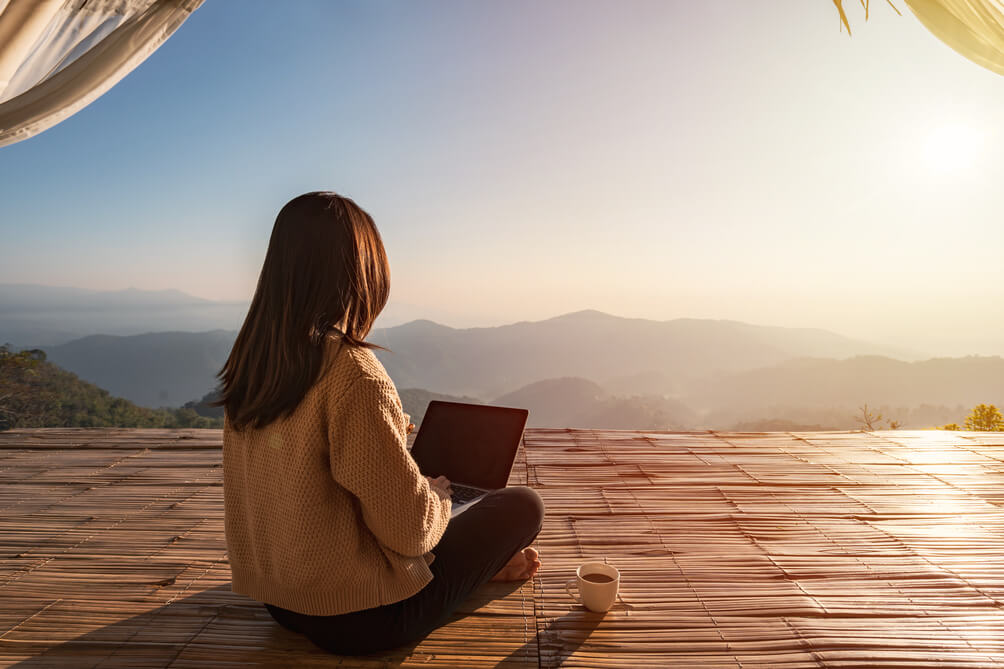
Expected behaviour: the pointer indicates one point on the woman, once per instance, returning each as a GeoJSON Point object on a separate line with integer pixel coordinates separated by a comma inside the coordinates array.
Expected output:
{"type": "Point", "coordinates": [328, 520]}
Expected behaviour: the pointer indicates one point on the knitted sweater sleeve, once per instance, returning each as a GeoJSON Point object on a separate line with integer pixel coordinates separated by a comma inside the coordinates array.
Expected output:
{"type": "Point", "coordinates": [369, 458]}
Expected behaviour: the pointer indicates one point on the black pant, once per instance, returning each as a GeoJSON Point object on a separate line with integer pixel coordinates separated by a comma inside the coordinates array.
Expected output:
{"type": "Point", "coordinates": [475, 546]}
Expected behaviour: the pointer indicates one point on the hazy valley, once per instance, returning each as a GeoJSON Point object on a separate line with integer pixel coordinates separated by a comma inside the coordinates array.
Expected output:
{"type": "Point", "coordinates": [584, 369]}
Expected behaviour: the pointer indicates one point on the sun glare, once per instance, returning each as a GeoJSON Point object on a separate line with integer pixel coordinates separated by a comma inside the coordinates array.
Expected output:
{"type": "Point", "coordinates": [951, 148]}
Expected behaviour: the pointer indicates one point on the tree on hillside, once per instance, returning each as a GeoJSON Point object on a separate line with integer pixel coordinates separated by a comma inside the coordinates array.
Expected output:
{"type": "Point", "coordinates": [871, 421]}
{"type": "Point", "coordinates": [985, 418]}
{"type": "Point", "coordinates": [207, 405]}
{"type": "Point", "coordinates": [20, 402]}
{"type": "Point", "coordinates": [36, 393]}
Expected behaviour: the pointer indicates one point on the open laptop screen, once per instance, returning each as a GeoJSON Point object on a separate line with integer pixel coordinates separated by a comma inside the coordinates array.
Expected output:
{"type": "Point", "coordinates": [471, 444]}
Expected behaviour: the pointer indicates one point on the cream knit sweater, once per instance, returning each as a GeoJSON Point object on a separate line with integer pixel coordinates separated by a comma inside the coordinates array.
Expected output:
{"type": "Point", "coordinates": [325, 510]}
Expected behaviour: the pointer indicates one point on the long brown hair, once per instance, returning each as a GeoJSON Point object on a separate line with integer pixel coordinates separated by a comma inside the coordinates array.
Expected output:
{"type": "Point", "coordinates": [325, 264]}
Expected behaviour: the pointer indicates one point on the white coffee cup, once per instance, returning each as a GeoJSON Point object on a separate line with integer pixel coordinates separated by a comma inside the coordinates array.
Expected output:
{"type": "Point", "coordinates": [597, 583]}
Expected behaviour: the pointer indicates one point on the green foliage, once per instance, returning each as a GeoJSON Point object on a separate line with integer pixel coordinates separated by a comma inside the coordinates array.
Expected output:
{"type": "Point", "coordinates": [202, 406]}
{"type": "Point", "coordinates": [985, 418]}
{"type": "Point", "coordinates": [36, 393]}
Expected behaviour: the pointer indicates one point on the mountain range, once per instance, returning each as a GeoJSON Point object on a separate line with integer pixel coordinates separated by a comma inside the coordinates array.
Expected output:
{"type": "Point", "coordinates": [812, 382]}
{"type": "Point", "coordinates": [161, 369]}
{"type": "Point", "coordinates": [624, 356]}
{"type": "Point", "coordinates": [33, 316]}
{"type": "Point", "coordinates": [584, 369]}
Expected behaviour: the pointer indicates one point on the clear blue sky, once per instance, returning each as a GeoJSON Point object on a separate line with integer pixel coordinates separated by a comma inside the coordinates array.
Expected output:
{"type": "Point", "coordinates": [524, 159]}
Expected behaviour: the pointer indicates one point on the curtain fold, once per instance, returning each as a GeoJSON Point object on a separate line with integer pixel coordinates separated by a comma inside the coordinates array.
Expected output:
{"type": "Point", "coordinates": [58, 56]}
{"type": "Point", "coordinates": [973, 28]}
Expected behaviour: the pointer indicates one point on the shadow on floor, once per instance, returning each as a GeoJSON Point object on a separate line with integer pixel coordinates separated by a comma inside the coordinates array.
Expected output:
{"type": "Point", "coordinates": [558, 641]}
{"type": "Point", "coordinates": [190, 628]}
{"type": "Point", "coordinates": [218, 627]}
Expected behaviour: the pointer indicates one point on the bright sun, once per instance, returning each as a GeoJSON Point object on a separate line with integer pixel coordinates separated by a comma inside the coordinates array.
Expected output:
{"type": "Point", "coordinates": [950, 148]}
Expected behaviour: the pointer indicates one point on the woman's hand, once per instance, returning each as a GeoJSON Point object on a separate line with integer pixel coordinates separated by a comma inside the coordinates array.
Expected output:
{"type": "Point", "coordinates": [440, 485]}
{"type": "Point", "coordinates": [411, 426]}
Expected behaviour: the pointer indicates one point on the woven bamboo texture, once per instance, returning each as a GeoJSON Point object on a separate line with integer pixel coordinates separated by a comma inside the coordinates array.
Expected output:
{"type": "Point", "coordinates": [774, 550]}
{"type": "Point", "coordinates": [113, 555]}
{"type": "Point", "coordinates": [736, 550]}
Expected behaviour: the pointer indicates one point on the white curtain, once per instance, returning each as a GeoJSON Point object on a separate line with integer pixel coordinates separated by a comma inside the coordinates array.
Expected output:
{"type": "Point", "coordinates": [974, 28]}
{"type": "Point", "coordinates": [58, 56]}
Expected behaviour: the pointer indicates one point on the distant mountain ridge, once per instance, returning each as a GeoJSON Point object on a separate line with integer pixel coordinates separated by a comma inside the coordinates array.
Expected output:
{"type": "Point", "coordinates": [668, 355]}
{"type": "Point", "coordinates": [162, 369]}
{"type": "Point", "coordinates": [42, 316]}
{"type": "Point", "coordinates": [582, 369]}
{"type": "Point", "coordinates": [28, 296]}
{"type": "Point", "coordinates": [33, 315]}
{"type": "Point", "coordinates": [575, 402]}
{"type": "Point", "coordinates": [625, 357]}
{"type": "Point", "coordinates": [416, 400]}
{"type": "Point", "coordinates": [813, 382]}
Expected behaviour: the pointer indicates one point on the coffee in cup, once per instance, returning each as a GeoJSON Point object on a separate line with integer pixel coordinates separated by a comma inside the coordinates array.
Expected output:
{"type": "Point", "coordinates": [597, 583]}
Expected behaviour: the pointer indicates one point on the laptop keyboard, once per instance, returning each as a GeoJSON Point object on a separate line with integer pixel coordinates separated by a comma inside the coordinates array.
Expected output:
{"type": "Point", "coordinates": [462, 494]}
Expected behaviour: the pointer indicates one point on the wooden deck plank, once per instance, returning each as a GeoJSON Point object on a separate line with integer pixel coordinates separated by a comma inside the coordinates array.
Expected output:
{"type": "Point", "coordinates": [736, 550]}
{"type": "Point", "coordinates": [814, 549]}
{"type": "Point", "coordinates": [112, 554]}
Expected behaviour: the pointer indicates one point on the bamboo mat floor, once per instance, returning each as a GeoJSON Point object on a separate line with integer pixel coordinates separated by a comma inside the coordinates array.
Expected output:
{"type": "Point", "coordinates": [881, 549]}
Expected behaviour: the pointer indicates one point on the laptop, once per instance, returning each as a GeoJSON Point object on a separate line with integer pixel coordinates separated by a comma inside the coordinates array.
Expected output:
{"type": "Point", "coordinates": [473, 445]}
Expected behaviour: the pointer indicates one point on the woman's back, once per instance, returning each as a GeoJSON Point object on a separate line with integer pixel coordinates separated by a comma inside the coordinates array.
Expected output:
{"type": "Point", "coordinates": [329, 521]}
{"type": "Point", "coordinates": [326, 511]}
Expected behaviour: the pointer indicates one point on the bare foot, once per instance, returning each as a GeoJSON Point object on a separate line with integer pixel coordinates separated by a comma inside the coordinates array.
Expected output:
{"type": "Point", "coordinates": [522, 566]}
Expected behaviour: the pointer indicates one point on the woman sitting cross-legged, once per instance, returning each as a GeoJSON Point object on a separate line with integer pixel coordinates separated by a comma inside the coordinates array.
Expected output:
{"type": "Point", "coordinates": [329, 521]}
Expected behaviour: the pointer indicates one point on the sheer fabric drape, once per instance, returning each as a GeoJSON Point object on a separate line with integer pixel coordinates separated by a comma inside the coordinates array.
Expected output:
{"type": "Point", "coordinates": [974, 28]}
{"type": "Point", "coordinates": [58, 56]}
